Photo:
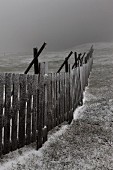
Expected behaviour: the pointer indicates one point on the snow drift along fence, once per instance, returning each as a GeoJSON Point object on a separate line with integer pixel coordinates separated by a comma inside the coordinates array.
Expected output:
{"type": "Point", "coordinates": [32, 105]}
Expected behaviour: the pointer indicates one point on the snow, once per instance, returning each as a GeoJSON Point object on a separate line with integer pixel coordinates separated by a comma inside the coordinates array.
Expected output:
{"type": "Point", "coordinates": [19, 157]}
{"type": "Point", "coordinates": [80, 110]}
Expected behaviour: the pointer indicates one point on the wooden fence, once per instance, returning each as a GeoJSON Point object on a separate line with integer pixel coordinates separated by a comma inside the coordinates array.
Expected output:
{"type": "Point", "coordinates": [32, 105]}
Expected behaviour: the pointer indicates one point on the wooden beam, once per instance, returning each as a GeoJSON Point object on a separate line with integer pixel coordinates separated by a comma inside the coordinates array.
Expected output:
{"type": "Point", "coordinates": [75, 64]}
{"type": "Point", "coordinates": [66, 59]}
{"type": "Point", "coordinates": [81, 59]}
{"type": "Point", "coordinates": [32, 62]}
{"type": "Point", "coordinates": [66, 66]}
{"type": "Point", "coordinates": [36, 67]}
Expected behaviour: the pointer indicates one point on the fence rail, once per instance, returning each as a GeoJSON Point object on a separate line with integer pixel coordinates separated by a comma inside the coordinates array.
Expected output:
{"type": "Point", "coordinates": [39, 103]}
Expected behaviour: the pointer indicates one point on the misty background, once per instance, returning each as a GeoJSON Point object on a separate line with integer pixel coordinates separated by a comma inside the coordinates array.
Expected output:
{"type": "Point", "coordinates": [63, 24]}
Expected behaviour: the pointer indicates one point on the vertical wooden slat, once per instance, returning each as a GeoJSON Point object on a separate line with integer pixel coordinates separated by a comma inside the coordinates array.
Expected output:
{"type": "Point", "coordinates": [34, 112]}
{"type": "Point", "coordinates": [52, 101]}
{"type": "Point", "coordinates": [83, 77]}
{"type": "Point", "coordinates": [60, 106]}
{"type": "Point", "coordinates": [1, 109]}
{"type": "Point", "coordinates": [45, 118]}
{"type": "Point", "coordinates": [71, 85]}
{"type": "Point", "coordinates": [65, 106]}
{"type": "Point", "coordinates": [29, 103]}
{"type": "Point", "coordinates": [15, 107]}
{"type": "Point", "coordinates": [57, 97]}
{"type": "Point", "coordinates": [74, 88]}
{"type": "Point", "coordinates": [7, 113]}
{"type": "Point", "coordinates": [61, 97]}
{"type": "Point", "coordinates": [67, 95]}
{"type": "Point", "coordinates": [70, 98]}
{"type": "Point", "coordinates": [69, 112]}
{"type": "Point", "coordinates": [22, 81]}
{"type": "Point", "coordinates": [52, 104]}
{"type": "Point", "coordinates": [37, 117]}
{"type": "Point", "coordinates": [55, 100]}
{"type": "Point", "coordinates": [81, 84]}
{"type": "Point", "coordinates": [49, 98]}
{"type": "Point", "coordinates": [77, 87]}
{"type": "Point", "coordinates": [80, 92]}
{"type": "Point", "coordinates": [45, 110]}
{"type": "Point", "coordinates": [86, 74]}
{"type": "Point", "coordinates": [64, 97]}
{"type": "Point", "coordinates": [40, 107]}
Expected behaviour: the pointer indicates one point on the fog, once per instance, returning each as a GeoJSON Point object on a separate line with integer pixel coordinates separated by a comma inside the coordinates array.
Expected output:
{"type": "Point", "coordinates": [63, 24]}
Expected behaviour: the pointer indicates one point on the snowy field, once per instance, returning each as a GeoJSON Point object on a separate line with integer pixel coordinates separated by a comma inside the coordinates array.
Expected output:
{"type": "Point", "coordinates": [86, 144]}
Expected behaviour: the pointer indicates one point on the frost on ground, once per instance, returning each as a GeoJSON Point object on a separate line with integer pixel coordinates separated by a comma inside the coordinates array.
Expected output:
{"type": "Point", "coordinates": [86, 144]}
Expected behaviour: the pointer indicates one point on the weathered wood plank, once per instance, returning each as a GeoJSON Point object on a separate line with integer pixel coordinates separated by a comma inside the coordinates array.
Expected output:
{"type": "Point", "coordinates": [40, 107]}
{"type": "Point", "coordinates": [70, 99]}
{"type": "Point", "coordinates": [34, 111]}
{"type": "Point", "coordinates": [49, 103]}
{"type": "Point", "coordinates": [70, 117]}
{"type": "Point", "coordinates": [45, 110]}
{"type": "Point", "coordinates": [29, 109]}
{"type": "Point", "coordinates": [66, 59]}
{"type": "Point", "coordinates": [1, 109]}
{"type": "Point", "coordinates": [36, 69]}
{"type": "Point", "coordinates": [57, 97]}
{"type": "Point", "coordinates": [74, 87]}
{"type": "Point", "coordinates": [56, 101]}
{"type": "Point", "coordinates": [65, 102]}
{"type": "Point", "coordinates": [15, 108]}
{"type": "Point", "coordinates": [63, 84]}
{"type": "Point", "coordinates": [52, 102]}
{"type": "Point", "coordinates": [45, 117]}
{"type": "Point", "coordinates": [32, 62]}
{"type": "Point", "coordinates": [71, 94]}
{"type": "Point", "coordinates": [43, 107]}
{"type": "Point", "coordinates": [80, 93]}
{"type": "Point", "coordinates": [83, 77]}
{"type": "Point", "coordinates": [67, 95]}
{"type": "Point", "coordinates": [63, 95]}
{"type": "Point", "coordinates": [23, 97]}
{"type": "Point", "coordinates": [55, 118]}
{"type": "Point", "coordinates": [7, 112]}
{"type": "Point", "coordinates": [61, 98]}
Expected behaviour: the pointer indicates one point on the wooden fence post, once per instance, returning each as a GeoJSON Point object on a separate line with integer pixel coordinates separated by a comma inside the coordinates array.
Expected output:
{"type": "Point", "coordinates": [1, 109]}
{"type": "Point", "coordinates": [15, 109]}
{"type": "Point", "coordinates": [42, 108]}
{"type": "Point", "coordinates": [32, 62]}
{"type": "Point", "coordinates": [66, 59]}
{"type": "Point", "coordinates": [66, 66]}
{"type": "Point", "coordinates": [45, 102]}
{"type": "Point", "coordinates": [23, 97]}
{"type": "Point", "coordinates": [75, 64]}
{"type": "Point", "coordinates": [35, 61]}
{"type": "Point", "coordinates": [40, 98]}
{"type": "Point", "coordinates": [8, 78]}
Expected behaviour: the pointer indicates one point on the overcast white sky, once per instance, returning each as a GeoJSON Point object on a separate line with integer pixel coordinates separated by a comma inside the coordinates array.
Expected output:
{"type": "Point", "coordinates": [25, 24]}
